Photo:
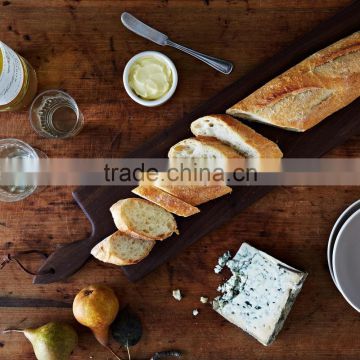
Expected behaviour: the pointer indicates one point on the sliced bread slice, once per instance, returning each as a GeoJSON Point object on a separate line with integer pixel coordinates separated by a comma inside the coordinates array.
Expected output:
{"type": "Point", "coordinates": [237, 135]}
{"type": "Point", "coordinates": [122, 249]}
{"type": "Point", "coordinates": [195, 194]}
{"type": "Point", "coordinates": [165, 200]}
{"type": "Point", "coordinates": [142, 219]}
{"type": "Point", "coordinates": [203, 147]}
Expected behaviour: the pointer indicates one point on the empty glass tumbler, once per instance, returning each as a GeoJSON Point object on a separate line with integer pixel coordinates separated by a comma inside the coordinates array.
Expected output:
{"type": "Point", "coordinates": [55, 114]}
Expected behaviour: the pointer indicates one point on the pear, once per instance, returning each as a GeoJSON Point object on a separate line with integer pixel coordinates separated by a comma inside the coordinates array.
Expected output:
{"type": "Point", "coordinates": [53, 341]}
{"type": "Point", "coordinates": [96, 307]}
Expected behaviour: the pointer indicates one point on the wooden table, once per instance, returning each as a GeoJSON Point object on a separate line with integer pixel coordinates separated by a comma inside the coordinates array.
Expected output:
{"type": "Point", "coordinates": [80, 46]}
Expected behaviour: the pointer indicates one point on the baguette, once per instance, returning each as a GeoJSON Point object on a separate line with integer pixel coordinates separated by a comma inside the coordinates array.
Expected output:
{"type": "Point", "coordinates": [309, 92]}
{"type": "Point", "coordinates": [239, 136]}
{"type": "Point", "coordinates": [165, 200]}
{"type": "Point", "coordinates": [122, 249]}
{"type": "Point", "coordinates": [203, 147]}
{"type": "Point", "coordinates": [195, 194]}
{"type": "Point", "coordinates": [142, 219]}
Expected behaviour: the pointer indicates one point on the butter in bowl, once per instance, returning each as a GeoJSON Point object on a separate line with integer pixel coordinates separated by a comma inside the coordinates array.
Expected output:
{"type": "Point", "coordinates": [150, 78]}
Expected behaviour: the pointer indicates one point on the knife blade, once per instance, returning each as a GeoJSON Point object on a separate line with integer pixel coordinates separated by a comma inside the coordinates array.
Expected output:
{"type": "Point", "coordinates": [147, 32]}
{"type": "Point", "coordinates": [141, 29]}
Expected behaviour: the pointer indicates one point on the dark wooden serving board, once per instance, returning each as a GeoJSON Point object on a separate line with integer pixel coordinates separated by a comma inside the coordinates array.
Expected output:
{"type": "Point", "coordinates": [96, 201]}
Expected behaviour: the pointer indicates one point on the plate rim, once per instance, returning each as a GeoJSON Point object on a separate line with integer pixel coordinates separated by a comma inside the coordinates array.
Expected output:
{"type": "Point", "coordinates": [332, 238]}
{"type": "Point", "coordinates": [356, 213]}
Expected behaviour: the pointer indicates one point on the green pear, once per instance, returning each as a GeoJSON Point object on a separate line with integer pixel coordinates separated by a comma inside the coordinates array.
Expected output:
{"type": "Point", "coordinates": [53, 341]}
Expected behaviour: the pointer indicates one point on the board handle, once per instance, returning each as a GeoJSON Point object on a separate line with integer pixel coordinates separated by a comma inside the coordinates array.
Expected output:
{"type": "Point", "coordinates": [65, 261]}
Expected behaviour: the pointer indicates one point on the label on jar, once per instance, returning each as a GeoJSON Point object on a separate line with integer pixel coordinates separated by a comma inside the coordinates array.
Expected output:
{"type": "Point", "coordinates": [11, 76]}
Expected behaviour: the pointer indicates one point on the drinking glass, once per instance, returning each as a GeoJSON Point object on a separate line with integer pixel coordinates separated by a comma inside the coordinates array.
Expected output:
{"type": "Point", "coordinates": [14, 159]}
{"type": "Point", "coordinates": [55, 114]}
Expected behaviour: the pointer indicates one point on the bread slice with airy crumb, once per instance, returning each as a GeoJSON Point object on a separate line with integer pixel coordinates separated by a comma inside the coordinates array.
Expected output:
{"type": "Point", "coordinates": [142, 219]}
{"type": "Point", "coordinates": [203, 147]}
{"type": "Point", "coordinates": [165, 200]}
{"type": "Point", "coordinates": [237, 135]}
{"type": "Point", "coordinates": [122, 249]}
{"type": "Point", "coordinates": [195, 194]}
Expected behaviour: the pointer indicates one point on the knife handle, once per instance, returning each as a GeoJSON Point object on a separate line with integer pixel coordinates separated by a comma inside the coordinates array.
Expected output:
{"type": "Point", "coordinates": [223, 66]}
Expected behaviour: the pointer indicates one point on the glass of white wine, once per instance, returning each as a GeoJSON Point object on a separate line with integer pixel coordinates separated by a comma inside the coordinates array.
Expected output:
{"type": "Point", "coordinates": [19, 166]}
{"type": "Point", "coordinates": [55, 114]}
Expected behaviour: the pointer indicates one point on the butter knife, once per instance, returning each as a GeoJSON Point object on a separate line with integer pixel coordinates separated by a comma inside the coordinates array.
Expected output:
{"type": "Point", "coordinates": [147, 32]}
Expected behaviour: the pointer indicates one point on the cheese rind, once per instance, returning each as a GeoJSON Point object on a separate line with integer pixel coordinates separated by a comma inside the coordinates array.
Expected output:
{"type": "Point", "coordinates": [259, 295]}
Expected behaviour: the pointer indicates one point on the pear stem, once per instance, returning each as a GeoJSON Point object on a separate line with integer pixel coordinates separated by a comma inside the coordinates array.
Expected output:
{"type": "Point", "coordinates": [112, 351]}
{"type": "Point", "coordinates": [128, 351]}
{"type": "Point", "coordinates": [7, 331]}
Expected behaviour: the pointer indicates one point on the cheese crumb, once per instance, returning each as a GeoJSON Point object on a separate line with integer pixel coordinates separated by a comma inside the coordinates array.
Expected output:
{"type": "Point", "coordinates": [204, 299]}
{"type": "Point", "coordinates": [223, 259]}
{"type": "Point", "coordinates": [195, 312]}
{"type": "Point", "coordinates": [177, 295]}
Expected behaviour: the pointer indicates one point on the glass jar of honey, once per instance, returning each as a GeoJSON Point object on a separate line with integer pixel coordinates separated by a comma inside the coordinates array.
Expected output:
{"type": "Point", "coordinates": [18, 81]}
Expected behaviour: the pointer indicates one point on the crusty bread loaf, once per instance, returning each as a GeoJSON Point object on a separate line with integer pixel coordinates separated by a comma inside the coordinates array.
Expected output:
{"type": "Point", "coordinates": [122, 249]}
{"type": "Point", "coordinates": [307, 93]}
{"type": "Point", "coordinates": [142, 219]}
{"type": "Point", "coordinates": [195, 194]}
{"type": "Point", "coordinates": [203, 147]}
{"type": "Point", "coordinates": [165, 200]}
{"type": "Point", "coordinates": [237, 135]}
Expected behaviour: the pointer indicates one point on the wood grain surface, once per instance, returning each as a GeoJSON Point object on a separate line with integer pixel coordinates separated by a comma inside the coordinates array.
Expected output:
{"type": "Point", "coordinates": [80, 46]}
{"type": "Point", "coordinates": [314, 143]}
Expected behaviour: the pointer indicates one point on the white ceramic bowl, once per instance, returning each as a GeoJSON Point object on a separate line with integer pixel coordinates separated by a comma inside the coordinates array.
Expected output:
{"type": "Point", "coordinates": [346, 255]}
{"type": "Point", "coordinates": [140, 100]}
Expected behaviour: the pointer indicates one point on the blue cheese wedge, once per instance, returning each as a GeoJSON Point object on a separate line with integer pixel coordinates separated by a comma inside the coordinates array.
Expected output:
{"type": "Point", "coordinates": [260, 293]}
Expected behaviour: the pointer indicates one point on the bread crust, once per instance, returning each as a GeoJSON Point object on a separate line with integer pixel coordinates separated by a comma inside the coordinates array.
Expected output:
{"type": "Point", "coordinates": [205, 142]}
{"type": "Point", "coordinates": [165, 200]}
{"type": "Point", "coordinates": [196, 194]}
{"type": "Point", "coordinates": [123, 224]}
{"type": "Point", "coordinates": [310, 91]}
{"type": "Point", "coordinates": [260, 144]}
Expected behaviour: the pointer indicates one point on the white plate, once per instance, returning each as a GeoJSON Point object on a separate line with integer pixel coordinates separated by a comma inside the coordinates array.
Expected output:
{"type": "Point", "coordinates": [346, 260]}
{"type": "Point", "coordinates": [335, 231]}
